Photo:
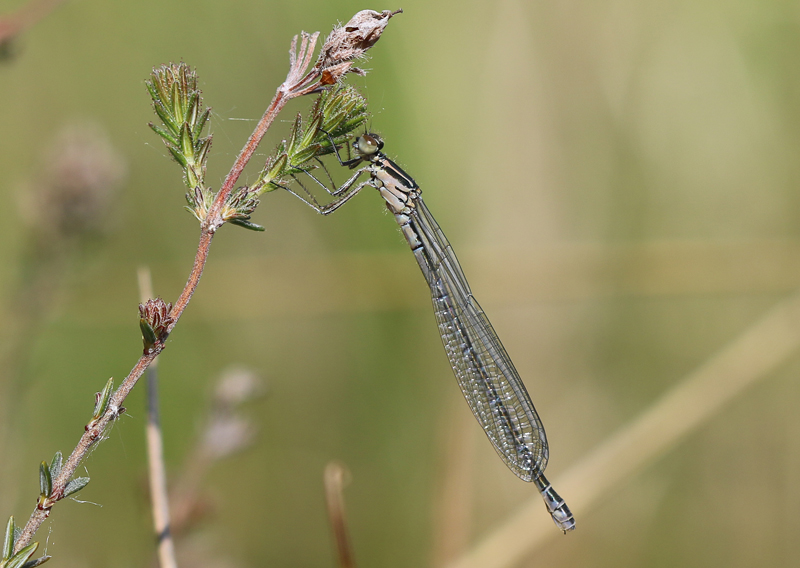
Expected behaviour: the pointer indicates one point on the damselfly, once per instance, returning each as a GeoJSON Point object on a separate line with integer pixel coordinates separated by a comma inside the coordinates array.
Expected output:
{"type": "Point", "coordinates": [485, 373]}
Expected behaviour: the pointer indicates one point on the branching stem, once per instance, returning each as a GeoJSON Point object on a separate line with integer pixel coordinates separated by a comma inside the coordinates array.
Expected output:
{"type": "Point", "coordinates": [343, 46]}
{"type": "Point", "coordinates": [294, 86]}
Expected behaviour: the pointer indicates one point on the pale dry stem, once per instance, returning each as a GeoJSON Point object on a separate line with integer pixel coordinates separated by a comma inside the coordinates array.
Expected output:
{"type": "Point", "coordinates": [334, 480]}
{"type": "Point", "coordinates": [453, 513]}
{"type": "Point", "coordinates": [157, 471]}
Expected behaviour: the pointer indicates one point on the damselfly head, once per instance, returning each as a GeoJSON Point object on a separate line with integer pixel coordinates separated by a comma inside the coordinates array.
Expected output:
{"type": "Point", "coordinates": [368, 144]}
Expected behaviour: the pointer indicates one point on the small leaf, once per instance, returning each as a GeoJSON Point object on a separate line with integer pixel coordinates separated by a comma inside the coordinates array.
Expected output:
{"type": "Point", "coordinates": [201, 122]}
{"type": "Point", "coordinates": [187, 141]}
{"type": "Point", "coordinates": [55, 465]}
{"type": "Point", "coordinates": [163, 113]}
{"type": "Point", "coordinates": [21, 557]}
{"type": "Point", "coordinates": [192, 108]}
{"type": "Point", "coordinates": [148, 334]}
{"type": "Point", "coordinates": [75, 485]}
{"type": "Point", "coordinates": [180, 158]}
{"type": "Point", "coordinates": [45, 480]}
{"type": "Point", "coordinates": [38, 562]}
{"type": "Point", "coordinates": [152, 90]}
{"type": "Point", "coordinates": [8, 544]}
{"type": "Point", "coordinates": [102, 399]}
{"type": "Point", "coordinates": [176, 99]}
{"type": "Point", "coordinates": [247, 224]}
{"type": "Point", "coordinates": [202, 153]}
{"type": "Point", "coordinates": [169, 138]}
{"type": "Point", "coordinates": [297, 133]}
{"type": "Point", "coordinates": [311, 131]}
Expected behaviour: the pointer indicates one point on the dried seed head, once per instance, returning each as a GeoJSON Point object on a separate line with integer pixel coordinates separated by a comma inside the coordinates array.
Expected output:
{"type": "Point", "coordinates": [349, 42]}
{"type": "Point", "coordinates": [154, 321]}
{"type": "Point", "coordinates": [367, 26]}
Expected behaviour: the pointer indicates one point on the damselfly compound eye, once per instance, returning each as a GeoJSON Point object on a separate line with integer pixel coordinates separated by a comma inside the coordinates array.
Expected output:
{"type": "Point", "coordinates": [368, 144]}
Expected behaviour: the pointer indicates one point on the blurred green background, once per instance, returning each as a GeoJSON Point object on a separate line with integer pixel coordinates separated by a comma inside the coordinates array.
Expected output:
{"type": "Point", "coordinates": [618, 178]}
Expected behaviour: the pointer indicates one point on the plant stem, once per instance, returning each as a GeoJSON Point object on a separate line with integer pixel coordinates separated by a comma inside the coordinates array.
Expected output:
{"type": "Point", "coordinates": [293, 86]}
{"type": "Point", "coordinates": [94, 430]}
{"type": "Point", "coordinates": [200, 258]}
{"type": "Point", "coordinates": [299, 81]}
{"type": "Point", "coordinates": [92, 434]}
{"type": "Point", "coordinates": [278, 102]}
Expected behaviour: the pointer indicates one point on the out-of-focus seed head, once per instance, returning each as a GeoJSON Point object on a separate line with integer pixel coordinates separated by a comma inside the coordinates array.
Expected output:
{"type": "Point", "coordinates": [226, 435]}
{"type": "Point", "coordinates": [81, 176]}
{"type": "Point", "coordinates": [237, 386]}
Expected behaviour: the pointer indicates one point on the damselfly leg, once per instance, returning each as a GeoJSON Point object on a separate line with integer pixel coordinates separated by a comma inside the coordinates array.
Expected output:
{"type": "Point", "coordinates": [343, 193]}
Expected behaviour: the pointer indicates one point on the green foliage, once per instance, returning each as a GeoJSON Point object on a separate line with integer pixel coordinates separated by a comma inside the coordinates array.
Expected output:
{"type": "Point", "coordinates": [49, 472]}
{"type": "Point", "coordinates": [76, 485]}
{"type": "Point", "coordinates": [45, 481]}
{"type": "Point", "coordinates": [101, 400]}
{"type": "Point", "coordinates": [21, 559]}
{"type": "Point", "coordinates": [336, 114]}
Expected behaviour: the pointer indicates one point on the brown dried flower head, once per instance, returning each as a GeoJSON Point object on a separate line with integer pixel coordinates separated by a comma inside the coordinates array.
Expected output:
{"type": "Point", "coordinates": [154, 321]}
{"type": "Point", "coordinates": [349, 42]}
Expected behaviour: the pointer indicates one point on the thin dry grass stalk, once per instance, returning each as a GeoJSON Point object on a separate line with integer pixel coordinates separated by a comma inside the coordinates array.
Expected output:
{"type": "Point", "coordinates": [453, 512]}
{"type": "Point", "coordinates": [157, 471]}
{"type": "Point", "coordinates": [702, 394]}
{"type": "Point", "coordinates": [334, 479]}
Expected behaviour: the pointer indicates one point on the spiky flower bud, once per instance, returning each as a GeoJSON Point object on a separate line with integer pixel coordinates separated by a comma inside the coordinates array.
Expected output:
{"type": "Point", "coordinates": [239, 206]}
{"type": "Point", "coordinates": [154, 321]}
{"type": "Point", "coordinates": [177, 102]}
